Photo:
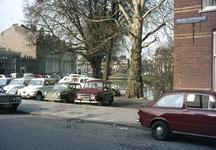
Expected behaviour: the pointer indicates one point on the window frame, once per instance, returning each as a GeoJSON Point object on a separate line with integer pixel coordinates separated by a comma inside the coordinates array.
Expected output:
{"type": "Point", "coordinates": [173, 94]}
{"type": "Point", "coordinates": [208, 7]}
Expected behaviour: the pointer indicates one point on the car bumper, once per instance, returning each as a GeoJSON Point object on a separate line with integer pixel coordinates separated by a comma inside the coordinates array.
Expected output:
{"type": "Point", "coordinates": [27, 96]}
{"type": "Point", "coordinates": [85, 101]}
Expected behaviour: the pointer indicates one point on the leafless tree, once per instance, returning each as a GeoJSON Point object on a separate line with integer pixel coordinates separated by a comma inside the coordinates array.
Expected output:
{"type": "Point", "coordinates": [141, 17]}
{"type": "Point", "coordinates": [78, 24]}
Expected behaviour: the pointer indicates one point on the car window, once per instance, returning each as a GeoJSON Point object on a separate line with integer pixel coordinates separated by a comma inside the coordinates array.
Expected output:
{"type": "Point", "coordinates": [16, 82]}
{"type": "Point", "coordinates": [174, 100]}
{"type": "Point", "coordinates": [200, 101]}
{"type": "Point", "coordinates": [36, 82]}
{"type": "Point", "coordinates": [93, 85]}
{"type": "Point", "coordinates": [60, 87]}
{"type": "Point", "coordinates": [78, 87]}
{"type": "Point", "coordinates": [1, 90]}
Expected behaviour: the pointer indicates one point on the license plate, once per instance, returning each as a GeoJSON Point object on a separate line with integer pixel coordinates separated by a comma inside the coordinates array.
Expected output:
{"type": "Point", "coordinates": [85, 99]}
{"type": "Point", "coordinates": [7, 105]}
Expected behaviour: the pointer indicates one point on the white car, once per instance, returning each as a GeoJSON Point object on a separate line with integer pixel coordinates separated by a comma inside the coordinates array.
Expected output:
{"type": "Point", "coordinates": [82, 80]}
{"type": "Point", "coordinates": [36, 88]}
{"type": "Point", "coordinates": [17, 84]}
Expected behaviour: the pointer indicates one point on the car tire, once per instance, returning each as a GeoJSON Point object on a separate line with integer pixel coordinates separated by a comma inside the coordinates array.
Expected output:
{"type": "Point", "coordinates": [38, 96]}
{"type": "Point", "coordinates": [100, 102]}
{"type": "Point", "coordinates": [160, 130]}
{"type": "Point", "coordinates": [64, 100]}
{"type": "Point", "coordinates": [13, 109]}
{"type": "Point", "coordinates": [114, 92]}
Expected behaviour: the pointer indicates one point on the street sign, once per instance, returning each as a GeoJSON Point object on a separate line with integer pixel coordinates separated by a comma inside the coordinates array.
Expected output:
{"type": "Point", "coordinates": [191, 20]}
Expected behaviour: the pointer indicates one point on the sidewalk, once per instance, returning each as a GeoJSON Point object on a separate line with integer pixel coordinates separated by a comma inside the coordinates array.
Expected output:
{"type": "Point", "coordinates": [85, 112]}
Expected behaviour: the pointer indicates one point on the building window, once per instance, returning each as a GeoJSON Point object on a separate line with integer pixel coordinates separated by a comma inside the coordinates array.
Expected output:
{"type": "Point", "coordinates": [31, 69]}
{"type": "Point", "coordinates": [13, 65]}
{"type": "Point", "coordinates": [208, 5]}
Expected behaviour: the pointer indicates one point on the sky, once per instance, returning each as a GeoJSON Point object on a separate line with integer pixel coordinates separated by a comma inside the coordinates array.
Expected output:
{"type": "Point", "coordinates": [11, 12]}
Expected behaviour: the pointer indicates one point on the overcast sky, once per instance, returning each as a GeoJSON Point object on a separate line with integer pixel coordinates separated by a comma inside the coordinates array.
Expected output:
{"type": "Point", "coordinates": [11, 11]}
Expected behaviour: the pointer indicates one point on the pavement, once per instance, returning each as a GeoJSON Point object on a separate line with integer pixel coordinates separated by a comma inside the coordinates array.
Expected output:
{"type": "Point", "coordinates": [108, 114]}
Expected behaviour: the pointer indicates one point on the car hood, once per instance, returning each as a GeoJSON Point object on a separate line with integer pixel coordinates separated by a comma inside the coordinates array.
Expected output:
{"type": "Point", "coordinates": [9, 87]}
{"type": "Point", "coordinates": [89, 91]}
{"type": "Point", "coordinates": [7, 94]}
{"type": "Point", "coordinates": [55, 91]}
{"type": "Point", "coordinates": [30, 87]}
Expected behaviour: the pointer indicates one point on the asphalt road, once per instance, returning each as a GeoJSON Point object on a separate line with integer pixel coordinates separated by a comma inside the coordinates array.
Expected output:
{"type": "Point", "coordinates": [121, 101]}
{"type": "Point", "coordinates": [27, 132]}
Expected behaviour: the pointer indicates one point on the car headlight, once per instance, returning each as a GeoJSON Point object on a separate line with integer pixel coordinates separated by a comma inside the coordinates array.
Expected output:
{"type": "Point", "coordinates": [33, 92]}
{"type": "Point", "coordinates": [18, 99]}
{"type": "Point", "coordinates": [13, 91]}
{"type": "Point", "coordinates": [92, 97]}
{"type": "Point", "coordinates": [78, 96]}
{"type": "Point", "coordinates": [58, 94]}
{"type": "Point", "coordinates": [45, 93]}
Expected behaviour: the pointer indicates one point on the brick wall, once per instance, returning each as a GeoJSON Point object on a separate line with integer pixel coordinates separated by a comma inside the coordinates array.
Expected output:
{"type": "Point", "coordinates": [193, 62]}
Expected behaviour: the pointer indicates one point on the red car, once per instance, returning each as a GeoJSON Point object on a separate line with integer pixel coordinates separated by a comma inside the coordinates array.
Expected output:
{"type": "Point", "coordinates": [96, 92]}
{"type": "Point", "coordinates": [187, 112]}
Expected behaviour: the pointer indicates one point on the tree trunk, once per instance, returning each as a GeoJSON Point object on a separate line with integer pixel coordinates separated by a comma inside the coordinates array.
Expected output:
{"type": "Point", "coordinates": [134, 88]}
{"type": "Point", "coordinates": [95, 62]}
{"type": "Point", "coordinates": [107, 64]}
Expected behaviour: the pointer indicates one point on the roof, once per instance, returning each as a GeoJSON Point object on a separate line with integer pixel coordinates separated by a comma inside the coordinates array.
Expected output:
{"type": "Point", "coordinates": [98, 81]}
{"type": "Point", "coordinates": [192, 91]}
{"type": "Point", "coordinates": [69, 83]}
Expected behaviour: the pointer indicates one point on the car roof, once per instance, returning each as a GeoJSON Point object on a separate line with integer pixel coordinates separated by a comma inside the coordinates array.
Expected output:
{"type": "Point", "coordinates": [24, 78]}
{"type": "Point", "coordinates": [103, 81]}
{"type": "Point", "coordinates": [42, 79]}
{"type": "Point", "coordinates": [192, 91]}
{"type": "Point", "coordinates": [69, 83]}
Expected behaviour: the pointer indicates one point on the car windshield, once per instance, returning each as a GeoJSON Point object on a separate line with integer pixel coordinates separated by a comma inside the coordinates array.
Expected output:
{"type": "Point", "coordinates": [16, 82]}
{"type": "Point", "coordinates": [36, 82]}
{"type": "Point", "coordinates": [1, 90]}
{"type": "Point", "coordinates": [60, 87]}
{"type": "Point", "coordinates": [3, 81]}
{"type": "Point", "coordinates": [97, 85]}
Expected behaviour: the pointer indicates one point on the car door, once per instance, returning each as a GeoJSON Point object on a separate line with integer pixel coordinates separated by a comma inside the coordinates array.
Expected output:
{"type": "Point", "coordinates": [199, 117]}
{"type": "Point", "coordinates": [169, 108]}
{"type": "Point", "coordinates": [46, 87]}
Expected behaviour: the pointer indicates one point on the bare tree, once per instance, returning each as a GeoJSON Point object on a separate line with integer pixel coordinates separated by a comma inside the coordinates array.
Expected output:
{"type": "Point", "coordinates": [139, 20]}
{"type": "Point", "coordinates": [71, 22]}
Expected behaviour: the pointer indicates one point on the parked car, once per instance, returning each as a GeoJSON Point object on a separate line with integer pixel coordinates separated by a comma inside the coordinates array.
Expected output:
{"type": "Point", "coordinates": [16, 84]}
{"type": "Point", "coordinates": [36, 88]}
{"type": "Point", "coordinates": [96, 92]}
{"type": "Point", "coordinates": [64, 92]}
{"type": "Point", "coordinates": [81, 80]}
{"type": "Point", "coordinates": [40, 76]}
{"type": "Point", "coordinates": [9, 102]}
{"type": "Point", "coordinates": [187, 112]}
{"type": "Point", "coordinates": [28, 75]}
{"type": "Point", "coordinates": [115, 90]}
{"type": "Point", "coordinates": [5, 81]}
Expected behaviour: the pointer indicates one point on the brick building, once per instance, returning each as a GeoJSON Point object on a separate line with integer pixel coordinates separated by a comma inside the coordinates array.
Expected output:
{"type": "Point", "coordinates": [195, 44]}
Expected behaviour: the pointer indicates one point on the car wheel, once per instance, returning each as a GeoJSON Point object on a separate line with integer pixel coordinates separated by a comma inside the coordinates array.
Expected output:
{"type": "Point", "coordinates": [160, 130]}
{"type": "Point", "coordinates": [114, 92]}
{"type": "Point", "coordinates": [13, 109]}
{"type": "Point", "coordinates": [64, 100]}
{"type": "Point", "coordinates": [110, 101]}
{"type": "Point", "coordinates": [100, 103]}
{"type": "Point", "coordinates": [38, 96]}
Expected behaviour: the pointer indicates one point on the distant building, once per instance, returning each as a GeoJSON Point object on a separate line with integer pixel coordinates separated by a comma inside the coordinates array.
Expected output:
{"type": "Point", "coordinates": [121, 65]}
{"type": "Point", "coordinates": [10, 62]}
{"type": "Point", "coordinates": [35, 59]}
